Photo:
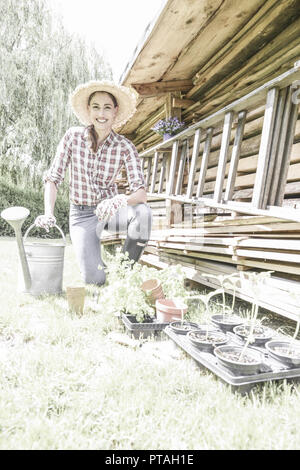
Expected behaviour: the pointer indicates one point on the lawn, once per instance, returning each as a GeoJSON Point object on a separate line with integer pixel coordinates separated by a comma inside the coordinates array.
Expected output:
{"type": "Point", "coordinates": [67, 384]}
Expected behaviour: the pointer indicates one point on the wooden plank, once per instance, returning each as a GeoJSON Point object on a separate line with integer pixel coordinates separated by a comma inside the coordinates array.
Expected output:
{"type": "Point", "coordinates": [182, 103]}
{"type": "Point", "coordinates": [162, 173]}
{"type": "Point", "coordinates": [184, 151]}
{"type": "Point", "coordinates": [195, 156]}
{"type": "Point", "coordinates": [271, 255]}
{"type": "Point", "coordinates": [223, 156]}
{"type": "Point", "coordinates": [235, 155]}
{"type": "Point", "coordinates": [204, 162]}
{"type": "Point", "coordinates": [199, 254]}
{"type": "Point", "coordinates": [162, 87]}
{"type": "Point", "coordinates": [265, 147]}
{"type": "Point", "coordinates": [148, 172]}
{"type": "Point", "coordinates": [275, 154]}
{"type": "Point", "coordinates": [154, 172]}
{"type": "Point", "coordinates": [192, 249]}
{"type": "Point", "coordinates": [269, 266]}
{"type": "Point", "coordinates": [285, 162]}
{"type": "Point", "coordinates": [280, 151]}
{"type": "Point", "coordinates": [170, 182]}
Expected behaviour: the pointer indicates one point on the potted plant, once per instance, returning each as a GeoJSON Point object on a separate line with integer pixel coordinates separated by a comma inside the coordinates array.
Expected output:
{"type": "Point", "coordinates": [227, 320]}
{"type": "Point", "coordinates": [167, 128]}
{"type": "Point", "coordinates": [239, 359]}
{"type": "Point", "coordinates": [183, 327]}
{"type": "Point", "coordinates": [125, 298]}
{"type": "Point", "coordinates": [206, 339]}
{"type": "Point", "coordinates": [260, 333]}
{"type": "Point", "coordinates": [206, 336]}
{"type": "Point", "coordinates": [287, 350]}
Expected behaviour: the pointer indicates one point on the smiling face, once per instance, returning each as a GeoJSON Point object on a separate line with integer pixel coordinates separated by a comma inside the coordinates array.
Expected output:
{"type": "Point", "coordinates": [102, 112]}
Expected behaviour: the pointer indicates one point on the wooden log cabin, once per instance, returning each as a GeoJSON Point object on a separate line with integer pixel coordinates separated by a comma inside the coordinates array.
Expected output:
{"type": "Point", "coordinates": [225, 192]}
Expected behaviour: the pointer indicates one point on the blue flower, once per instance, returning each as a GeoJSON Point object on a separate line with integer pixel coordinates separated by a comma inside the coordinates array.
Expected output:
{"type": "Point", "coordinates": [168, 126]}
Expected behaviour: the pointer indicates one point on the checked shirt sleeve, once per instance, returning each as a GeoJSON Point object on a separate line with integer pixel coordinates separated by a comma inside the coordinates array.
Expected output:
{"type": "Point", "coordinates": [134, 169]}
{"type": "Point", "coordinates": [57, 171]}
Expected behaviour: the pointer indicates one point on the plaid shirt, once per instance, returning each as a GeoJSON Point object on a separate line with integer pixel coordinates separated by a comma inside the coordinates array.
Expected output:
{"type": "Point", "coordinates": [92, 175]}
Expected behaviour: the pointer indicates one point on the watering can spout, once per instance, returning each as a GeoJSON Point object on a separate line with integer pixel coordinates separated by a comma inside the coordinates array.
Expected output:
{"type": "Point", "coordinates": [16, 216]}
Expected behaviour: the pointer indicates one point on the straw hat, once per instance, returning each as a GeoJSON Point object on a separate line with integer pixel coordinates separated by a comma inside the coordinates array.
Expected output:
{"type": "Point", "coordinates": [126, 99]}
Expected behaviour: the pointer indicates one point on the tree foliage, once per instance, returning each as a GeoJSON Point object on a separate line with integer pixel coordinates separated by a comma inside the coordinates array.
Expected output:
{"type": "Point", "coordinates": [40, 64]}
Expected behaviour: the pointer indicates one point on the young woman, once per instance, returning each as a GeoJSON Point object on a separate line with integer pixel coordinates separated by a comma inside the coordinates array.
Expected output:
{"type": "Point", "coordinates": [95, 154]}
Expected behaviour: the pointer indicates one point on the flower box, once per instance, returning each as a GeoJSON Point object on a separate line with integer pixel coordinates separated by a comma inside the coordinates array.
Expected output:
{"type": "Point", "coordinates": [150, 327]}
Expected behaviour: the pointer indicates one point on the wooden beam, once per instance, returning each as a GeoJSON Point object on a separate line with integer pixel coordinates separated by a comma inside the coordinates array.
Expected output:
{"type": "Point", "coordinates": [285, 160]}
{"type": "Point", "coordinates": [170, 183]}
{"type": "Point", "coordinates": [162, 173]}
{"type": "Point", "coordinates": [183, 155]}
{"type": "Point", "coordinates": [235, 156]}
{"type": "Point", "coordinates": [265, 148]}
{"type": "Point", "coordinates": [158, 88]}
{"type": "Point", "coordinates": [182, 103]}
{"type": "Point", "coordinates": [223, 156]}
{"type": "Point", "coordinates": [204, 162]}
{"type": "Point", "coordinates": [155, 165]}
{"type": "Point", "coordinates": [195, 157]}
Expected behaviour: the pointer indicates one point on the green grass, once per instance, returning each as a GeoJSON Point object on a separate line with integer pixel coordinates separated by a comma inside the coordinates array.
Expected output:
{"type": "Point", "coordinates": [66, 385]}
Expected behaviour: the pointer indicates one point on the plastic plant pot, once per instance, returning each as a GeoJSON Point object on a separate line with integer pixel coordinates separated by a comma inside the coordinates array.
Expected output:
{"type": "Point", "coordinates": [206, 340]}
{"type": "Point", "coordinates": [230, 357]}
{"type": "Point", "coordinates": [183, 328]}
{"type": "Point", "coordinates": [226, 322]}
{"type": "Point", "coordinates": [284, 351]}
{"type": "Point", "coordinates": [261, 334]}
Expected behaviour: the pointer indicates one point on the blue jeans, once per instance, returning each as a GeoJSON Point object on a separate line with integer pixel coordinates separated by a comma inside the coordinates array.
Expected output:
{"type": "Point", "coordinates": [86, 230]}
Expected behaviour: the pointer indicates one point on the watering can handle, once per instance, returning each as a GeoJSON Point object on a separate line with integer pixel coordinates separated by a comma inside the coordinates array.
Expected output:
{"type": "Point", "coordinates": [56, 226]}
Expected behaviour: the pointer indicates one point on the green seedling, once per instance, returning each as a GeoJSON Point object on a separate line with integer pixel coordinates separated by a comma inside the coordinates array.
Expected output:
{"type": "Point", "coordinates": [223, 280]}
{"type": "Point", "coordinates": [256, 285]}
{"type": "Point", "coordinates": [205, 299]}
{"type": "Point", "coordinates": [296, 296]}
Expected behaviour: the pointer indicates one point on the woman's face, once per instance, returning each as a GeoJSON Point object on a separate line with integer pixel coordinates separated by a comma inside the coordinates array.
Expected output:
{"type": "Point", "coordinates": [102, 112]}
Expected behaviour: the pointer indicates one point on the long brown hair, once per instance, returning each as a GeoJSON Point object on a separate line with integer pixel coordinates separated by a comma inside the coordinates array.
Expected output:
{"type": "Point", "coordinates": [91, 129]}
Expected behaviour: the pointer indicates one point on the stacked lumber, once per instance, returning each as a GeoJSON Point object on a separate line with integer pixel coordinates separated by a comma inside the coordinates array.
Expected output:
{"type": "Point", "coordinates": [276, 295]}
{"type": "Point", "coordinates": [110, 238]}
{"type": "Point", "coordinates": [225, 245]}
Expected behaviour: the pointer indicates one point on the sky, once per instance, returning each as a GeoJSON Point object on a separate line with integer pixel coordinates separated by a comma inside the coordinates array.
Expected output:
{"type": "Point", "coordinates": [114, 26]}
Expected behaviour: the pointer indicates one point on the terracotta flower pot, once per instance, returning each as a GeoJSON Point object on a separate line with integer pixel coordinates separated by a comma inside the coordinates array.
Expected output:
{"type": "Point", "coordinates": [153, 289]}
{"type": "Point", "coordinates": [75, 297]}
{"type": "Point", "coordinates": [168, 310]}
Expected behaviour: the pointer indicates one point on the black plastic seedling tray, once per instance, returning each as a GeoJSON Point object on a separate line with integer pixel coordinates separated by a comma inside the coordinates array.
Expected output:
{"type": "Point", "coordinates": [142, 330]}
{"type": "Point", "coordinates": [271, 369]}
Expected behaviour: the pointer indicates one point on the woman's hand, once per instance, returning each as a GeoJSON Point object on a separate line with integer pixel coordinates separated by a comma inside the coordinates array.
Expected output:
{"type": "Point", "coordinates": [107, 208]}
{"type": "Point", "coordinates": [45, 221]}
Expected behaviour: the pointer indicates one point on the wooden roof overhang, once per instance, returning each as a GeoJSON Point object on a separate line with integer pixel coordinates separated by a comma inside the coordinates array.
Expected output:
{"type": "Point", "coordinates": [199, 55]}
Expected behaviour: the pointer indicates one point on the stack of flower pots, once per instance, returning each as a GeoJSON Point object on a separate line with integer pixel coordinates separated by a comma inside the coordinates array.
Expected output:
{"type": "Point", "coordinates": [153, 290]}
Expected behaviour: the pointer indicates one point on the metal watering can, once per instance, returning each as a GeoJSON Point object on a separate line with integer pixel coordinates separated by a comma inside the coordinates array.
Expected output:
{"type": "Point", "coordinates": [41, 263]}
